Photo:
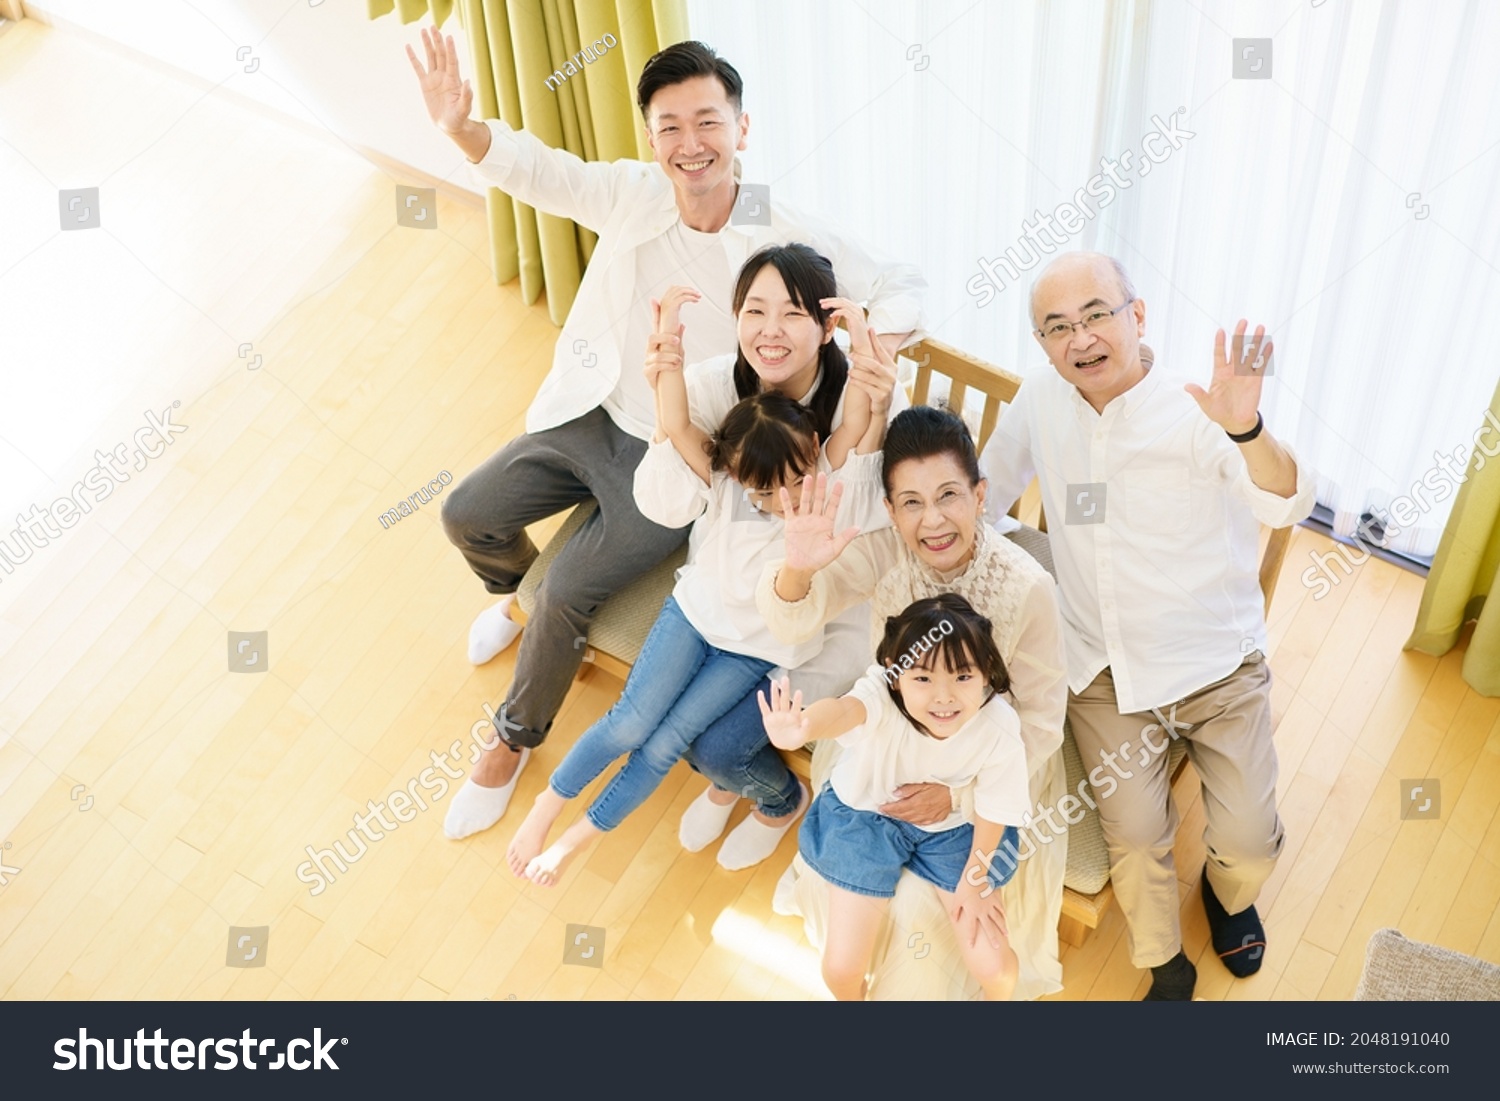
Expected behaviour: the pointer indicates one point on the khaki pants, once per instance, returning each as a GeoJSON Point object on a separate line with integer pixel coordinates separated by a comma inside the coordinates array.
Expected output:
{"type": "Point", "coordinates": [1230, 745]}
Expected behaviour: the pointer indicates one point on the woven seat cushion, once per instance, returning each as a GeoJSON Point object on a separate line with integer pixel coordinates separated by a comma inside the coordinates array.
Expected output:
{"type": "Point", "coordinates": [1401, 970]}
{"type": "Point", "coordinates": [625, 619]}
{"type": "Point", "coordinates": [1036, 544]}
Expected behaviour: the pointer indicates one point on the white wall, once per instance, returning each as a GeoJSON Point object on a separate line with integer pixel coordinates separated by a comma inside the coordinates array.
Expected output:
{"type": "Point", "coordinates": [330, 67]}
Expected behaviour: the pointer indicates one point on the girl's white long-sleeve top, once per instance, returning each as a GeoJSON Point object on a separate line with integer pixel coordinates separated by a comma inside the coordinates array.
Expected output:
{"type": "Point", "coordinates": [730, 544]}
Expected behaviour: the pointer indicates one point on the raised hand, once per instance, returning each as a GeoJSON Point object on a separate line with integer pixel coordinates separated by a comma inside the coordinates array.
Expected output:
{"type": "Point", "coordinates": [666, 314]}
{"type": "Point", "coordinates": [811, 541]}
{"type": "Point", "coordinates": [1232, 400]}
{"type": "Point", "coordinates": [874, 372]}
{"type": "Point", "coordinates": [785, 720]}
{"type": "Point", "coordinates": [872, 369]}
{"type": "Point", "coordinates": [448, 96]}
{"type": "Point", "coordinates": [854, 320]}
{"type": "Point", "coordinates": [664, 345]}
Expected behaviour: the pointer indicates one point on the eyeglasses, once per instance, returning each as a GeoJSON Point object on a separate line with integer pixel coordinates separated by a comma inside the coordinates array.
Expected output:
{"type": "Point", "coordinates": [1092, 321]}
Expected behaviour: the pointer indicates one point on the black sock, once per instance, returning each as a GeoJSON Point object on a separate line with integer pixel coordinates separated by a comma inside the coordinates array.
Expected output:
{"type": "Point", "coordinates": [1239, 939]}
{"type": "Point", "coordinates": [1173, 981]}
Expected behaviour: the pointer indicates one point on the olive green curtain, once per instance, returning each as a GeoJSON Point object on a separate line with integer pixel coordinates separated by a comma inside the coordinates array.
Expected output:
{"type": "Point", "coordinates": [1464, 573]}
{"type": "Point", "coordinates": [514, 46]}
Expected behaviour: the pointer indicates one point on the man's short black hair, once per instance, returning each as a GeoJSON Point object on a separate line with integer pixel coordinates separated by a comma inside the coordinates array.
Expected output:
{"type": "Point", "coordinates": [684, 61]}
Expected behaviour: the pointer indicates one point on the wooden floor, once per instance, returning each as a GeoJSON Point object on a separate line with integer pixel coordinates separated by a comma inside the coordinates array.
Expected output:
{"type": "Point", "coordinates": [390, 356]}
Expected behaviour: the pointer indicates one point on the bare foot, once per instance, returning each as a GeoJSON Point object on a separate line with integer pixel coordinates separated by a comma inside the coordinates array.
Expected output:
{"type": "Point", "coordinates": [721, 798]}
{"type": "Point", "coordinates": [532, 835]}
{"type": "Point", "coordinates": [546, 869]}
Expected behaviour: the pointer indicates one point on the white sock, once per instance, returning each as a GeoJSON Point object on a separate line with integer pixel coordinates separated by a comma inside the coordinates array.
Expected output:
{"type": "Point", "coordinates": [752, 841]}
{"type": "Point", "coordinates": [703, 822]}
{"type": "Point", "coordinates": [477, 808]}
{"type": "Point", "coordinates": [493, 630]}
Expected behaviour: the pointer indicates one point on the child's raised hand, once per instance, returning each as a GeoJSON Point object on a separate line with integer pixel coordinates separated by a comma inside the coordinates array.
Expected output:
{"type": "Point", "coordinates": [854, 321]}
{"type": "Point", "coordinates": [666, 313]}
{"type": "Point", "coordinates": [786, 721]}
{"type": "Point", "coordinates": [811, 541]}
{"type": "Point", "coordinates": [871, 368]}
{"type": "Point", "coordinates": [664, 345]}
{"type": "Point", "coordinates": [874, 372]}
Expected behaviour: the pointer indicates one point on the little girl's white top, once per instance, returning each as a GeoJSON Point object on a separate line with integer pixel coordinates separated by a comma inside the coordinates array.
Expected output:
{"type": "Point", "coordinates": [729, 546]}
{"type": "Point", "coordinates": [887, 750]}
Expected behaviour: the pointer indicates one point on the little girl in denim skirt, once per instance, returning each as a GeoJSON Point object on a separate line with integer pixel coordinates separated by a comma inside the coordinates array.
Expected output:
{"type": "Point", "coordinates": [932, 711]}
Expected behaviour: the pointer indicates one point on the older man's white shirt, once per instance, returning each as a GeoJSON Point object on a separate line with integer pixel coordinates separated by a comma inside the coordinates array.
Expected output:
{"type": "Point", "coordinates": [1158, 573]}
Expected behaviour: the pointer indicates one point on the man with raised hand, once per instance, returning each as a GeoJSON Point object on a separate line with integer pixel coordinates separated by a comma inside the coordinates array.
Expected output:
{"type": "Point", "coordinates": [659, 224]}
{"type": "Point", "coordinates": [1154, 494]}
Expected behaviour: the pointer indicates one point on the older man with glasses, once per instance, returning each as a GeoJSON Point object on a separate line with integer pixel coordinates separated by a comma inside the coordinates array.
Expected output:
{"type": "Point", "coordinates": [1155, 493]}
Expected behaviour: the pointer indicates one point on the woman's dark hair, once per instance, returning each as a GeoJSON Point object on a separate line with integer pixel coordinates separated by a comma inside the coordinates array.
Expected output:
{"type": "Point", "coordinates": [809, 279]}
{"type": "Point", "coordinates": [766, 439]}
{"type": "Point", "coordinates": [684, 61]}
{"type": "Point", "coordinates": [946, 624]}
{"type": "Point", "coordinates": [922, 432]}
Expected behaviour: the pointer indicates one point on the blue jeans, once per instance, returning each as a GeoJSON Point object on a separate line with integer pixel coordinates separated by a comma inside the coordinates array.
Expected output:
{"type": "Point", "coordinates": [677, 688]}
{"type": "Point", "coordinates": [735, 755]}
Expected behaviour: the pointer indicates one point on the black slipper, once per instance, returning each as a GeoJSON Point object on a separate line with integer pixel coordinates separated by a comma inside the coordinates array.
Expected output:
{"type": "Point", "coordinates": [1239, 939]}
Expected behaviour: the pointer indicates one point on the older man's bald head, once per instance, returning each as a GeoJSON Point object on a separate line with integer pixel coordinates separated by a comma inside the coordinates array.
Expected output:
{"type": "Point", "coordinates": [1066, 267]}
{"type": "Point", "coordinates": [1104, 358]}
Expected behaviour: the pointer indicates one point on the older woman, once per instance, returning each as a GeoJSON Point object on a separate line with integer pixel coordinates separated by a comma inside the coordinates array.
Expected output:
{"type": "Point", "coordinates": [934, 493]}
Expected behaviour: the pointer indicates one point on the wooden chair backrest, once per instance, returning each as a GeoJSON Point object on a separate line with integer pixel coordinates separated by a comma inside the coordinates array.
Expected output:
{"type": "Point", "coordinates": [965, 372]}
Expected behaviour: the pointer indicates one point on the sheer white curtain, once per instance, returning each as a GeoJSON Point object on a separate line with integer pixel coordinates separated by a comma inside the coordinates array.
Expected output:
{"type": "Point", "coordinates": [1347, 201]}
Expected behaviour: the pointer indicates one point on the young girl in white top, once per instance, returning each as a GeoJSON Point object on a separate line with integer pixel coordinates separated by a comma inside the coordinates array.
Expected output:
{"type": "Point", "coordinates": [931, 711]}
{"type": "Point", "coordinates": [709, 646]}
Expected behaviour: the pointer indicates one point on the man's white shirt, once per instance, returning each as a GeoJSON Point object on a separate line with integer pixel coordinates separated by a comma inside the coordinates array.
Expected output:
{"type": "Point", "coordinates": [628, 204]}
{"type": "Point", "coordinates": [1157, 573]}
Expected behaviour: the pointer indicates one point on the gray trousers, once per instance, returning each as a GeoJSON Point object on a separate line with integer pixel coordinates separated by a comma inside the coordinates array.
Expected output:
{"type": "Point", "coordinates": [1230, 746]}
{"type": "Point", "coordinates": [538, 475]}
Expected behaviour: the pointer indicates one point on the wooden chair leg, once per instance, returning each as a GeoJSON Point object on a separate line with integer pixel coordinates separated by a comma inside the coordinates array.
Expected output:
{"type": "Point", "coordinates": [1072, 931]}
